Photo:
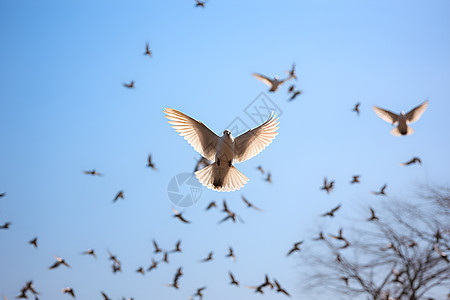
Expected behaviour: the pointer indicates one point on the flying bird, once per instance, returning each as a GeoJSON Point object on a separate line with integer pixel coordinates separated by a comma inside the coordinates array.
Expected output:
{"type": "Point", "coordinates": [166, 257]}
{"type": "Point", "coordinates": [2, 195]}
{"type": "Point", "coordinates": [179, 216]}
{"type": "Point", "coordinates": [199, 292]}
{"type": "Point", "coordinates": [231, 254]}
{"type": "Point", "coordinates": [295, 248]}
{"type": "Point", "coordinates": [93, 173]}
{"type": "Point", "coordinates": [233, 280]}
{"type": "Point", "coordinates": [412, 161]}
{"type": "Point", "coordinates": [208, 258]}
{"type": "Point", "coordinates": [250, 205]}
{"type": "Point", "coordinates": [33, 242]}
{"type": "Point", "coordinates": [382, 191]}
{"type": "Point", "coordinates": [200, 3]}
{"type": "Point", "coordinates": [373, 217]}
{"type": "Point", "coordinates": [177, 247]}
{"type": "Point", "coordinates": [154, 265]}
{"type": "Point", "coordinates": [90, 252]}
{"type": "Point", "coordinates": [129, 85]}
{"type": "Point", "coordinates": [260, 168]}
{"type": "Point", "coordinates": [280, 289]}
{"type": "Point", "coordinates": [327, 186]}
{"type": "Point", "coordinates": [119, 195]}
{"type": "Point", "coordinates": [402, 120]}
{"type": "Point", "coordinates": [147, 50]}
{"type": "Point", "coordinates": [140, 270]}
{"type": "Point", "coordinates": [274, 83]}
{"type": "Point", "coordinates": [442, 254]}
{"type": "Point", "coordinates": [320, 237]}
{"type": "Point", "coordinates": [355, 179]}
{"type": "Point", "coordinates": [224, 151]}
{"type": "Point", "coordinates": [291, 89]}
{"type": "Point", "coordinates": [211, 205]}
{"type": "Point", "coordinates": [105, 297]}
{"type": "Point", "coordinates": [331, 212]}
{"type": "Point", "coordinates": [157, 249]}
{"type": "Point", "coordinates": [269, 177]}
{"type": "Point", "coordinates": [291, 72]}
{"type": "Point", "coordinates": [68, 290]}
{"type": "Point", "coordinates": [5, 225]}
{"type": "Point", "coordinates": [356, 108]}
{"type": "Point", "coordinates": [150, 164]}
{"type": "Point", "coordinates": [295, 94]}
{"type": "Point", "coordinates": [59, 261]}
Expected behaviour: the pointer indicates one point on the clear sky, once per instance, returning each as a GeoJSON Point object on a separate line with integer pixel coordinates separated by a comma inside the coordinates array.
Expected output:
{"type": "Point", "coordinates": [64, 110]}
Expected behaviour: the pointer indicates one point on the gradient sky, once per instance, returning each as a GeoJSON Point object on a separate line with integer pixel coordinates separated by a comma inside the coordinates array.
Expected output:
{"type": "Point", "coordinates": [64, 110]}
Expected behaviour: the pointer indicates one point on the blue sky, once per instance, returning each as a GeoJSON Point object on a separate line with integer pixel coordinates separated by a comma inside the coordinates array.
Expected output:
{"type": "Point", "coordinates": [64, 110]}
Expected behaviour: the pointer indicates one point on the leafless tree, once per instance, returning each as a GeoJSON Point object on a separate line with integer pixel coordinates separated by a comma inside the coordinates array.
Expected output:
{"type": "Point", "coordinates": [401, 255]}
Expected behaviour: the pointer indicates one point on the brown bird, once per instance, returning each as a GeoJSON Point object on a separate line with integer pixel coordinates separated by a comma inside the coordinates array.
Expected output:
{"type": "Point", "coordinates": [295, 248]}
{"type": "Point", "coordinates": [280, 289]}
{"type": "Point", "coordinates": [154, 265]}
{"type": "Point", "coordinates": [338, 257]}
{"type": "Point", "coordinates": [33, 242]}
{"type": "Point", "coordinates": [177, 247]}
{"type": "Point", "coordinates": [412, 161]}
{"type": "Point", "coordinates": [5, 226]}
{"type": "Point", "coordinates": [250, 205]}
{"type": "Point", "coordinates": [321, 237]}
{"type": "Point", "coordinates": [150, 164]}
{"type": "Point", "coordinates": [260, 168]}
{"type": "Point", "coordinates": [105, 297]}
{"type": "Point", "coordinates": [208, 258]}
{"type": "Point", "coordinates": [179, 216]}
{"type": "Point", "coordinates": [356, 108]}
{"type": "Point", "coordinates": [331, 212]}
{"type": "Point", "coordinates": [291, 89]}
{"type": "Point", "coordinates": [116, 268]}
{"type": "Point", "coordinates": [157, 249]}
{"type": "Point", "coordinates": [69, 291]}
{"type": "Point", "coordinates": [166, 257]}
{"type": "Point", "coordinates": [295, 94]}
{"type": "Point", "coordinates": [327, 187]}
{"type": "Point", "coordinates": [200, 3]}
{"type": "Point", "coordinates": [382, 191]}
{"type": "Point", "coordinates": [442, 254]}
{"type": "Point", "coordinates": [338, 237]}
{"type": "Point", "coordinates": [93, 173]}
{"type": "Point", "coordinates": [147, 50]}
{"type": "Point", "coordinates": [345, 279]}
{"type": "Point", "coordinates": [201, 163]}
{"type": "Point", "coordinates": [355, 179]}
{"type": "Point", "coordinates": [233, 280]}
{"type": "Point", "coordinates": [267, 282]}
{"type": "Point", "coordinates": [199, 292]}
{"type": "Point", "coordinates": [129, 85]}
{"type": "Point", "coordinates": [372, 217]}
{"type": "Point", "coordinates": [2, 195]}
{"type": "Point", "coordinates": [140, 270]}
{"type": "Point", "coordinates": [59, 261]}
{"type": "Point", "coordinates": [113, 258]}
{"type": "Point", "coordinates": [211, 205]}
{"type": "Point", "coordinates": [90, 252]}
{"type": "Point", "coordinates": [119, 195]}
{"type": "Point", "coordinates": [291, 72]}
{"type": "Point", "coordinates": [231, 254]}
{"type": "Point", "coordinates": [412, 244]}
{"type": "Point", "coordinates": [178, 274]}
{"type": "Point", "coordinates": [269, 178]}
{"type": "Point", "coordinates": [274, 83]}
{"type": "Point", "coordinates": [231, 215]}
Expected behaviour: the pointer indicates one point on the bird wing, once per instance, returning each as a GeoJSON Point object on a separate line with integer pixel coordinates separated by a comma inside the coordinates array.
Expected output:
{"type": "Point", "coordinates": [386, 115]}
{"type": "Point", "coordinates": [263, 79]}
{"type": "Point", "coordinates": [200, 137]}
{"type": "Point", "coordinates": [252, 142]}
{"type": "Point", "coordinates": [415, 114]}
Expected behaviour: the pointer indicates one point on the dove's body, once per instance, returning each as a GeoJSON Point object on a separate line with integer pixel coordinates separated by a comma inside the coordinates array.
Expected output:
{"type": "Point", "coordinates": [224, 158]}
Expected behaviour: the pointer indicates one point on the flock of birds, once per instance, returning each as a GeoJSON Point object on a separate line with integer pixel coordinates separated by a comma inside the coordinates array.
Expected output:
{"type": "Point", "coordinates": [220, 161]}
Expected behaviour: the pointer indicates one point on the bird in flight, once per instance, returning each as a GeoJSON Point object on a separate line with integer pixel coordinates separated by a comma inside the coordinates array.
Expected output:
{"type": "Point", "coordinates": [93, 173]}
{"type": "Point", "coordinates": [119, 195]}
{"type": "Point", "coordinates": [33, 242]}
{"type": "Point", "coordinates": [5, 226]}
{"type": "Point", "coordinates": [382, 191]}
{"type": "Point", "coordinates": [157, 249]}
{"type": "Point", "coordinates": [68, 290]}
{"type": "Point", "coordinates": [280, 289]}
{"type": "Point", "coordinates": [295, 94]}
{"type": "Point", "coordinates": [147, 50]}
{"type": "Point", "coordinates": [200, 3]}
{"type": "Point", "coordinates": [292, 73]}
{"type": "Point", "coordinates": [327, 186]}
{"type": "Point", "coordinates": [211, 205]}
{"type": "Point", "coordinates": [150, 164]}
{"type": "Point", "coordinates": [105, 297]}
{"type": "Point", "coordinates": [331, 212]}
{"type": "Point", "coordinates": [260, 169]}
{"type": "Point", "coordinates": [355, 179]}
{"type": "Point", "coordinates": [179, 216]}
{"type": "Point", "coordinates": [231, 254]}
{"type": "Point", "coordinates": [233, 280]}
{"type": "Point", "coordinates": [208, 258]}
{"type": "Point", "coordinates": [356, 108]}
{"type": "Point", "coordinates": [373, 217]}
{"type": "Point", "coordinates": [274, 83]}
{"type": "Point", "coordinates": [268, 177]}
{"type": "Point", "coordinates": [140, 270]}
{"type": "Point", "coordinates": [154, 265]}
{"type": "Point", "coordinates": [295, 248]}
{"type": "Point", "coordinates": [2, 195]}
{"type": "Point", "coordinates": [249, 204]}
{"type": "Point", "coordinates": [177, 247]}
{"type": "Point", "coordinates": [199, 292]}
{"type": "Point", "coordinates": [223, 151]}
{"type": "Point", "coordinates": [90, 252]}
{"type": "Point", "coordinates": [59, 261]}
{"type": "Point", "coordinates": [412, 161]}
{"type": "Point", "coordinates": [402, 120]}
{"type": "Point", "coordinates": [129, 85]}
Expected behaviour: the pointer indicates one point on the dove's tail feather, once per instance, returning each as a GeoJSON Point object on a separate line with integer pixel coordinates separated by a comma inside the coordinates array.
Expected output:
{"type": "Point", "coordinates": [397, 132]}
{"type": "Point", "coordinates": [221, 180]}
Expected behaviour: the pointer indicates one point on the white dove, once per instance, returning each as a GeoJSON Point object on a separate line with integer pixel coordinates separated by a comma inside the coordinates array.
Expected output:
{"type": "Point", "coordinates": [223, 151]}
{"type": "Point", "coordinates": [402, 120]}
{"type": "Point", "coordinates": [273, 83]}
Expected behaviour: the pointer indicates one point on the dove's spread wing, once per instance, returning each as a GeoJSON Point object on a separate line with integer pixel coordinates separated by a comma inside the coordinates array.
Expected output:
{"type": "Point", "coordinates": [252, 142]}
{"type": "Point", "coordinates": [415, 114]}
{"type": "Point", "coordinates": [263, 79]}
{"type": "Point", "coordinates": [386, 115]}
{"type": "Point", "coordinates": [196, 133]}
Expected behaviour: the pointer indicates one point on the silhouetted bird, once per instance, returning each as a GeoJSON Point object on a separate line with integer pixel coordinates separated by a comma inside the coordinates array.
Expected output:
{"type": "Point", "coordinates": [5, 225]}
{"type": "Point", "coordinates": [356, 108]}
{"type": "Point", "coordinates": [331, 212]}
{"type": "Point", "coordinates": [105, 297]}
{"type": "Point", "coordinates": [166, 257]}
{"type": "Point", "coordinates": [291, 89]}
{"type": "Point", "coordinates": [129, 85]}
{"type": "Point", "coordinates": [412, 161]}
{"type": "Point", "coordinates": [355, 179]}
{"type": "Point", "coordinates": [177, 247]}
{"type": "Point", "coordinates": [327, 186]}
{"type": "Point", "coordinates": [321, 237]}
{"type": "Point", "coordinates": [233, 280]}
{"type": "Point", "coordinates": [260, 168]}
{"type": "Point", "coordinates": [59, 261]}
{"type": "Point", "coordinates": [274, 83]}
{"type": "Point", "coordinates": [208, 258]}
{"type": "Point", "coordinates": [150, 164]}
{"type": "Point", "coordinates": [68, 290]}
{"type": "Point", "coordinates": [90, 252]}
{"type": "Point", "coordinates": [372, 217]}
{"type": "Point", "coordinates": [345, 279]}
{"type": "Point", "coordinates": [179, 216]}
{"type": "Point", "coordinates": [177, 276]}
{"type": "Point", "coordinates": [291, 72]}
{"type": "Point", "coordinates": [2, 195]}
{"type": "Point", "coordinates": [382, 191]}
{"type": "Point", "coordinates": [402, 120]}
{"type": "Point", "coordinates": [140, 270]}
{"type": "Point", "coordinates": [211, 205]}
{"type": "Point", "coordinates": [157, 249]}
{"type": "Point", "coordinates": [280, 289]}
{"type": "Point", "coordinates": [200, 3]}
{"type": "Point", "coordinates": [295, 248]}
{"type": "Point", "coordinates": [294, 95]}
{"type": "Point", "coordinates": [250, 205]}
{"type": "Point", "coordinates": [199, 292]}
{"type": "Point", "coordinates": [154, 265]}
{"type": "Point", "coordinates": [119, 195]}
{"type": "Point", "coordinates": [147, 50]}
{"type": "Point", "coordinates": [93, 173]}
{"type": "Point", "coordinates": [269, 177]}
{"type": "Point", "coordinates": [33, 242]}
{"type": "Point", "coordinates": [231, 254]}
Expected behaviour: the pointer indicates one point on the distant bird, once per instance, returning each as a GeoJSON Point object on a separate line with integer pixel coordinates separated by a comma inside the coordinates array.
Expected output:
{"type": "Point", "coordinates": [355, 179]}
{"type": "Point", "coordinates": [291, 72]}
{"type": "Point", "coordinates": [382, 191]}
{"type": "Point", "coordinates": [117, 268]}
{"type": "Point", "coordinates": [166, 257]}
{"type": "Point", "coordinates": [5, 226]}
{"type": "Point", "coordinates": [179, 216]}
{"type": "Point", "coordinates": [154, 265]}
{"type": "Point", "coordinates": [150, 164]}
{"type": "Point", "coordinates": [113, 258]}
{"type": "Point", "coordinates": [59, 261]}
{"type": "Point", "coordinates": [157, 249]}
{"type": "Point", "coordinates": [338, 237]}
{"type": "Point", "coordinates": [2, 195]}
{"type": "Point", "coordinates": [250, 205]}
{"type": "Point", "coordinates": [269, 177]}
{"type": "Point", "coordinates": [231, 254]}
{"type": "Point", "coordinates": [140, 270]}
{"type": "Point", "coordinates": [327, 186]}
{"type": "Point", "coordinates": [199, 292]}
{"type": "Point", "coordinates": [233, 280]}
{"type": "Point", "coordinates": [295, 248]}
{"type": "Point", "coordinates": [373, 217]}
{"type": "Point", "coordinates": [280, 289]}
{"type": "Point", "coordinates": [200, 3]}
{"type": "Point", "coordinates": [93, 173]}
{"type": "Point", "coordinates": [119, 195]}
{"type": "Point", "coordinates": [230, 215]}
{"type": "Point", "coordinates": [412, 161]}
{"type": "Point", "coordinates": [147, 50]}
{"type": "Point", "coordinates": [90, 252]}
{"type": "Point", "coordinates": [412, 244]}
{"type": "Point", "coordinates": [295, 94]}
{"type": "Point", "coordinates": [177, 247]}
{"type": "Point", "coordinates": [68, 290]}
{"type": "Point", "coordinates": [345, 279]}
{"type": "Point", "coordinates": [105, 297]}
{"type": "Point", "coordinates": [291, 89]}
{"type": "Point", "coordinates": [356, 108]}
{"type": "Point", "coordinates": [201, 163]}
{"type": "Point", "coordinates": [267, 282]}
{"type": "Point", "coordinates": [260, 168]}
{"type": "Point", "coordinates": [28, 287]}
{"type": "Point", "coordinates": [225, 151]}
{"type": "Point", "coordinates": [129, 85]}
{"type": "Point", "coordinates": [211, 205]}
{"type": "Point", "coordinates": [331, 212]}
{"type": "Point", "coordinates": [208, 258]}
{"type": "Point", "coordinates": [33, 242]}
{"type": "Point", "coordinates": [177, 276]}
{"type": "Point", "coordinates": [402, 120]}
{"type": "Point", "coordinates": [338, 257]}
{"type": "Point", "coordinates": [442, 254]}
{"type": "Point", "coordinates": [321, 237]}
{"type": "Point", "coordinates": [274, 83]}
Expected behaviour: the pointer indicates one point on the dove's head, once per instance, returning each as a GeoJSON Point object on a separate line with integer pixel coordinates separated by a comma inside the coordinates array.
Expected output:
{"type": "Point", "coordinates": [402, 113]}
{"type": "Point", "coordinates": [277, 77]}
{"type": "Point", "coordinates": [227, 132]}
